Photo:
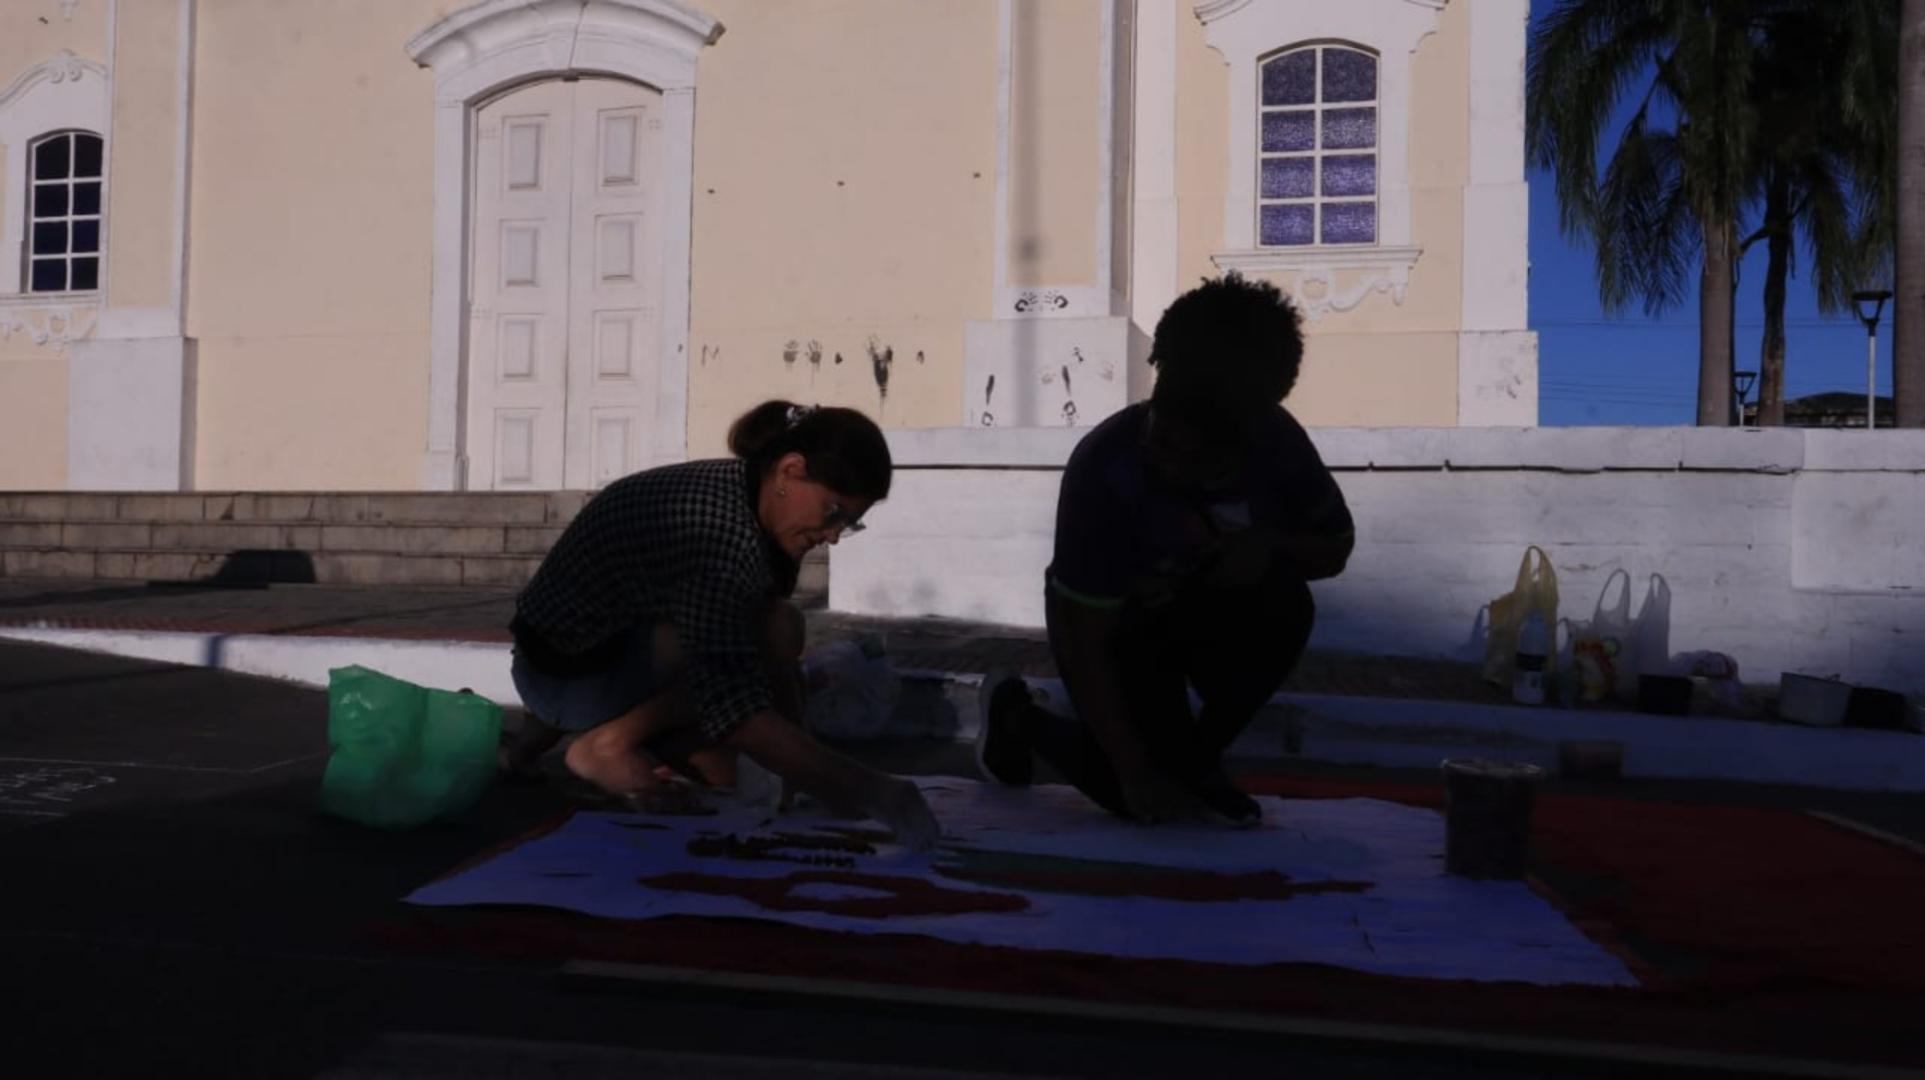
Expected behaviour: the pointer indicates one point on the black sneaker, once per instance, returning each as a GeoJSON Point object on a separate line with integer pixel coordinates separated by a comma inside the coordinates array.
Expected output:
{"type": "Point", "coordinates": [1002, 754]}
{"type": "Point", "coordinates": [1218, 792]}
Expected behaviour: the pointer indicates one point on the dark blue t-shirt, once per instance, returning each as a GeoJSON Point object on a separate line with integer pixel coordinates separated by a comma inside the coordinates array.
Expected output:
{"type": "Point", "coordinates": [1119, 526]}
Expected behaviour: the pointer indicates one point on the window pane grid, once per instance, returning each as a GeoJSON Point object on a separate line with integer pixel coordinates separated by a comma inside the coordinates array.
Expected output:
{"type": "Point", "coordinates": [64, 213]}
{"type": "Point", "coordinates": [1317, 179]}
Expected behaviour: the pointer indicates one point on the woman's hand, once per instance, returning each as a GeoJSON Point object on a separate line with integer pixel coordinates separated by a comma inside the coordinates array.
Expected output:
{"type": "Point", "coordinates": [838, 780]}
{"type": "Point", "coordinates": [899, 804]}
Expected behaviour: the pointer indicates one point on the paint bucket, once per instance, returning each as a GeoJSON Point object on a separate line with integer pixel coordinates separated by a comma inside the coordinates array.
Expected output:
{"type": "Point", "coordinates": [1803, 699]}
{"type": "Point", "coordinates": [1870, 707]}
{"type": "Point", "coordinates": [1665, 695]}
{"type": "Point", "coordinates": [1487, 817]}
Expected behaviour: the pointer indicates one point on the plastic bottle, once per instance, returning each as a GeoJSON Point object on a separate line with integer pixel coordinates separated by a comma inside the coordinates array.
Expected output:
{"type": "Point", "coordinates": [1533, 656]}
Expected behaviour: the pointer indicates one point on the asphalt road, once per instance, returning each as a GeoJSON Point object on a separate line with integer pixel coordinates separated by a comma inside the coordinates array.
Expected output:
{"type": "Point", "coordinates": [174, 906]}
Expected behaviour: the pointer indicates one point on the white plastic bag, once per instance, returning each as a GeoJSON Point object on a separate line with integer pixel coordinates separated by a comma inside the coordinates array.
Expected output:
{"type": "Point", "coordinates": [1535, 591]}
{"type": "Point", "coordinates": [1602, 649]}
{"type": "Point", "coordinates": [852, 690]}
{"type": "Point", "coordinates": [1651, 630]}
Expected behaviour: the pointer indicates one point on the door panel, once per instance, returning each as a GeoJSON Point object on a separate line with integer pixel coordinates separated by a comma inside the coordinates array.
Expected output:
{"type": "Point", "coordinates": [518, 319]}
{"type": "Point", "coordinates": [616, 273]}
{"type": "Point", "coordinates": [564, 340]}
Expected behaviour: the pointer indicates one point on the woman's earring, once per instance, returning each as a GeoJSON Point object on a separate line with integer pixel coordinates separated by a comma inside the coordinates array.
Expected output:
{"type": "Point", "coordinates": [781, 493]}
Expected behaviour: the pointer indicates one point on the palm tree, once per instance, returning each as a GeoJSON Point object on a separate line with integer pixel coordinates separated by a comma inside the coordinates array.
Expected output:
{"type": "Point", "coordinates": [1823, 88]}
{"type": "Point", "coordinates": [1908, 314]}
{"type": "Point", "coordinates": [1676, 182]}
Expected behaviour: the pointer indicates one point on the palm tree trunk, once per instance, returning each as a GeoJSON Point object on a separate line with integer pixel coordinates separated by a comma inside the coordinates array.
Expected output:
{"type": "Point", "coordinates": [1771, 359]}
{"type": "Point", "coordinates": [1908, 312]}
{"type": "Point", "coordinates": [1714, 324]}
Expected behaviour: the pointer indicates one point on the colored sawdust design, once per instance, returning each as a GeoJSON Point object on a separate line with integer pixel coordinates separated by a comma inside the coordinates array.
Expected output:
{"type": "Point", "coordinates": [838, 848]}
{"type": "Point", "coordinates": [838, 851]}
{"type": "Point", "coordinates": [1106, 878]}
{"type": "Point", "coordinates": [901, 896]}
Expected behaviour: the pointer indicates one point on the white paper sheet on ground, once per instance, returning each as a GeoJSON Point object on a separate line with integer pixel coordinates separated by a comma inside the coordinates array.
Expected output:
{"type": "Point", "coordinates": [1395, 912]}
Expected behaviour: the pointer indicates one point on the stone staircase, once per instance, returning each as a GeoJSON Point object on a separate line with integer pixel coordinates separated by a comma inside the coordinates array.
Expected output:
{"type": "Point", "coordinates": [330, 538]}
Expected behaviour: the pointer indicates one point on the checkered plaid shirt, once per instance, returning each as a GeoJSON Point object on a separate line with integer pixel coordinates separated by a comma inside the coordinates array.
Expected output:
{"type": "Point", "coordinates": [679, 544]}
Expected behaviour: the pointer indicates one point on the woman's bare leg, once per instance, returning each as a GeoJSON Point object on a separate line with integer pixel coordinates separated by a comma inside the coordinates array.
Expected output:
{"type": "Point", "coordinates": [611, 757]}
{"type": "Point", "coordinates": [782, 636]}
{"type": "Point", "coordinates": [523, 744]}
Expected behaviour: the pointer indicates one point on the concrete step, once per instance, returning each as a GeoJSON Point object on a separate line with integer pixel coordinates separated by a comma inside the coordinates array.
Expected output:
{"type": "Point", "coordinates": [295, 566]}
{"type": "Point", "coordinates": [339, 538]}
{"type": "Point", "coordinates": [174, 536]}
{"type": "Point", "coordinates": [552, 508]}
{"type": "Point", "coordinates": [264, 565]}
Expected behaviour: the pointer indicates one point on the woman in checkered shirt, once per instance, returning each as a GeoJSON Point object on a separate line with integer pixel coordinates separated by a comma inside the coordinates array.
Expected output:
{"type": "Point", "coordinates": [658, 629]}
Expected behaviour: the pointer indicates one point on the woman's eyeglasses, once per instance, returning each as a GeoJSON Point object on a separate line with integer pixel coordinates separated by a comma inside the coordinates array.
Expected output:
{"type": "Point", "coordinates": [838, 517]}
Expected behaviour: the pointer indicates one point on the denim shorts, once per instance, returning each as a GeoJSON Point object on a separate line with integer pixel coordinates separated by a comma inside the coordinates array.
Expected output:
{"type": "Point", "coordinates": [579, 702]}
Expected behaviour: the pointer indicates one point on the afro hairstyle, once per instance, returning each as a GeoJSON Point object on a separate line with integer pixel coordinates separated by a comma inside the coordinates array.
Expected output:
{"type": "Point", "coordinates": [1226, 352]}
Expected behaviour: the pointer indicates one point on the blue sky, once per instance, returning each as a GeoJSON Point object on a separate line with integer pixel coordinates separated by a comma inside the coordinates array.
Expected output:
{"type": "Point", "coordinates": [1631, 369]}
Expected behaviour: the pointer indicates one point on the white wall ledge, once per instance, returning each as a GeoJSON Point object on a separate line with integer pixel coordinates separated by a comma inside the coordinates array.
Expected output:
{"type": "Point", "coordinates": [1575, 450]}
{"type": "Point", "coordinates": [1787, 568]}
{"type": "Point", "coordinates": [1864, 451]}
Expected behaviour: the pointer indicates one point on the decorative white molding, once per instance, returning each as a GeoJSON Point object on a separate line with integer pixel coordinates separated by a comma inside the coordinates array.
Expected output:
{"type": "Point", "coordinates": [485, 32]}
{"type": "Point", "coordinates": [492, 46]}
{"type": "Point", "coordinates": [1315, 292]}
{"type": "Point", "coordinates": [1242, 31]}
{"type": "Point", "coordinates": [62, 67]}
{"type": "Point", "coordinates": [1212, 10]}
{"type": "Point", "coordinates": [53, 95]}
{"type": "Point", "coordinates": [1274, 260]}
{"type": "Point", "coordinates": [56, 319]}
{"type": "Point", "coordinates": [1317, 295]}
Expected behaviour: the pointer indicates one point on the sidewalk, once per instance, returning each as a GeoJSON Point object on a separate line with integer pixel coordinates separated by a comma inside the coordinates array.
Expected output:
{"type": "Point", "coordinates": [476, 614]}
{"type": "Point", "coordinates": [159, 827]}
{"type": "Point", "coordinates": [1338, 707]}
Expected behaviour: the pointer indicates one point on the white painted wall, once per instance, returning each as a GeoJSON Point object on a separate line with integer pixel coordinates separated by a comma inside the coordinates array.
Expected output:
{"type": "Point", "coordinates": [1789, 550]}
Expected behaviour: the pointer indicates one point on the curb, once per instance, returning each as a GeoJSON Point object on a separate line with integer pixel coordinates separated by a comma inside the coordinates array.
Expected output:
{"type": "Point", "coordinates": [1387, 732]}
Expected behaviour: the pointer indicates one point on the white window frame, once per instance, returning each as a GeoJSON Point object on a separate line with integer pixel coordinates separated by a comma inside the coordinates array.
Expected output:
{"type": "Point", "coordinates": [1318, 154]}
{"type": "Point", "coordinates": [65, 93]}
{"type": "Point", "coordinates": [1246, 31]}
{"type": "Point", "coordinates": [73, 178]}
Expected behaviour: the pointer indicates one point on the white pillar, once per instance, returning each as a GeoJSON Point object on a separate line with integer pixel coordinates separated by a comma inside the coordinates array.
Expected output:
{"type": "Point", "coordinates": [1496, 352]}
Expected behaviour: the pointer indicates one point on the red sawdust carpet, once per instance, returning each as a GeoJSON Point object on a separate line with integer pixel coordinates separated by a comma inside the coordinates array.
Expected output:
{"type": "Point", "coordinates": [1754, 931]}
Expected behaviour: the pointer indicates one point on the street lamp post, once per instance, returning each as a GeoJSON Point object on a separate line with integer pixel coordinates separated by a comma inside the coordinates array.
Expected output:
{"type": "Point", "coordinates": [1869, 304]}
{"type": "Point", "coordinates": [1741, 389]}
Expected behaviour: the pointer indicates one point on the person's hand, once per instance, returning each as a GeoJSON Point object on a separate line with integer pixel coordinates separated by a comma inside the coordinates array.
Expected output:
{"type": "Point", "coordinates": [899, 804]}
{"type": "Point", "coordinates": [1155, 799]}
{"type": "Point", "coordinates": [1242, 560]}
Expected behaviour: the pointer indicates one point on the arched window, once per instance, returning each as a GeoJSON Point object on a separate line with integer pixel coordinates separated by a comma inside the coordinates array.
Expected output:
{"type": "Point", "coordinates": [63, 212]}
{"type": "Point", "coordinates": [1317, 147]}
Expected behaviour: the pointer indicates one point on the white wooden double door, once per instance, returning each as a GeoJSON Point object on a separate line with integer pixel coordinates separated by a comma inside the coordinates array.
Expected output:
{"type": "Point", "coordinates": [565, 328]}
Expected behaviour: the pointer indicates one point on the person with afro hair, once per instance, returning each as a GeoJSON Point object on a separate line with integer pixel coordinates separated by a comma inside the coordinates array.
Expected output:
{"type": "Point", "coordinates": [1187, 529]}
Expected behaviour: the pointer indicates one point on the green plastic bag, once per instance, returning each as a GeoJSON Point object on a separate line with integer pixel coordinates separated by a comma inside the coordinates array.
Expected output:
{"type": "Point", "coordinates": [405, 755]}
